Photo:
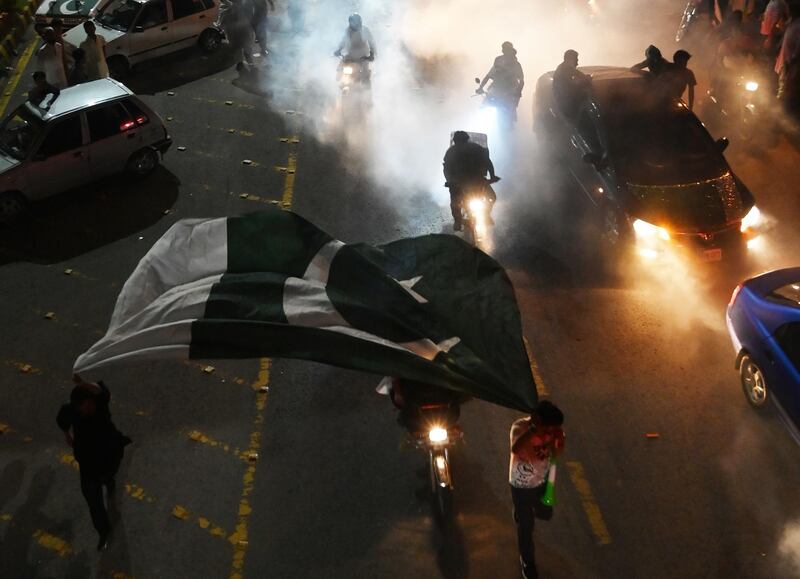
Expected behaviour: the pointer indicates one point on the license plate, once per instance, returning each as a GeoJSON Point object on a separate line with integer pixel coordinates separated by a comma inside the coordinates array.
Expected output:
{"type": "Point", "coordinates": [712, 254]}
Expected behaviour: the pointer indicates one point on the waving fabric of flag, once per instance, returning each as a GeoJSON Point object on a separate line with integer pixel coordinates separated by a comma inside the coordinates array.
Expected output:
{"type": "Point", "coordinates": [431, 308]}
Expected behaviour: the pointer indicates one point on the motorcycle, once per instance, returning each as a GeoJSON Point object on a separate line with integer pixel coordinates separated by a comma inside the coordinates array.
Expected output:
{"type": "Point", "coordinates": [354, 77]}
{"type": "Point", "coordinates": [441, 433]}
{"type": "Point", "coordinates": [500, 107]}
{"type": "Point", "coordinates": [740, 101]}
{"type": "Point", "coordinates": [476, 210]}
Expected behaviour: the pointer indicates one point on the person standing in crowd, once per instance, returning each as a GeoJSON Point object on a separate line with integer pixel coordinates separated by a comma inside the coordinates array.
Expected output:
{"type": "Point", "coordinates": [534, 440]}
{"type": "Point", "coordinates": [94, 48]}
{"type": "Point", "coordinates": [77, 74]}
{"type": "Point", "coordinates": [52, 60]}
{"type": "Point", "coordinates": [775, 16]}
{"type": "Point", "coordinates": [570, 86]}
{"type": "Point", "coordinates": [260, 11]}
{"type": "Point", "coordinates": [58, 26]}
{"type": "Point", "coordinates": [41, 89]}
{"type": "Point", "coordinates": [788, 63]}
{"type": "Point", "coordinates": [680, 78]}
{"type": "Point", "coordinates": [98, 447]}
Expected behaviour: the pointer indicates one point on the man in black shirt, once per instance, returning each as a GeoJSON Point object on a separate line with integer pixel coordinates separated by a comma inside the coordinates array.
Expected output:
{"type": "Point", "coordinates": [466, 163]}
{"type": "Point", "coordinates": [97, 444]}
{"type": "Point", "coordinates": [570, 86]}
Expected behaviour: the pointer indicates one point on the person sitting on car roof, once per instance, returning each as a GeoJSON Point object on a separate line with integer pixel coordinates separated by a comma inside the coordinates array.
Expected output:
{"type": "Point", "coordinates": [41, 89]}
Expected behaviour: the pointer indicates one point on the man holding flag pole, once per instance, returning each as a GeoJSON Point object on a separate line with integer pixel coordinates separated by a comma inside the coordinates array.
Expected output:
{"type": "Point", "coordinates": [536, 443]}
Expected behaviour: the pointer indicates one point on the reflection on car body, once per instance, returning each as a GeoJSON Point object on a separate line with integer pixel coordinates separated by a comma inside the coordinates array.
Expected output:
{"type": "Point", "coordinates": [649, 167]}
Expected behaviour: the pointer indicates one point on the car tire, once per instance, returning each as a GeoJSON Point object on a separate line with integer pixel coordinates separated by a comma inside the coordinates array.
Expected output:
{"type": "Point", "coordinates": [210, 40]}
{"type": "Point", "coordinates": [142, 163]}
{"type": "Point", "coordinates": [12, 207]}
{"type": "Point", "coordinates": [118, 67]}
{"type": "Point", "coordinates": [753, 382]}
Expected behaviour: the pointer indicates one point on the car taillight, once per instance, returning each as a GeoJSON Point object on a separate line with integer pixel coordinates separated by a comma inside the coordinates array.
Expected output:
{"type": "Point", "coordinates": [141, 120]}
{"type": "Point", "coordinates": [735, 293]}
{"type": "Point", "coordinates": [127, 125]}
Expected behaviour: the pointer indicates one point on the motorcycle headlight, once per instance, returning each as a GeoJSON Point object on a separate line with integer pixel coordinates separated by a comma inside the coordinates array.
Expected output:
{"type": "Point", "coordinates": [752, 219]}
{"type": "Point", "coordinates": [476, 205]}
{"type": "Point", "coordinates": [437, 434]}
{"type": "Point", "coordinates": [347, 70]}
{"type": "Point", "coordinates": [751, 86]}
{"type": "Point", "coordinates": [645, 230]}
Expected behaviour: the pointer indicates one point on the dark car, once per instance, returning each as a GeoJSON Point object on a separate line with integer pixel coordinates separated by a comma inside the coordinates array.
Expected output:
{"type": "Point", "coordinates": [649, 166]}
{"type": "Point", "coordinates": [764, 324]}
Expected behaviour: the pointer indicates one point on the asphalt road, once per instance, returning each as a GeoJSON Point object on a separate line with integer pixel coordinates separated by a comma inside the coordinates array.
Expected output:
{"type": "Point", "coordinates": [625, 351]}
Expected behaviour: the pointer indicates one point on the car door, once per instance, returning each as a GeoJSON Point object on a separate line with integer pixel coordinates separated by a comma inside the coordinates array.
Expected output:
{"type": "Point", "coordinates": [783, 368]}
{"type": "Point", "coordinates": [585, 140]}
{"type": "Point", "coordinates": [151, 34]}
{"type": "Point", "coordinates": [61, 161]}
{"type": "Point", "coordinates": [114, 136]}
{"type": "Point", "coordinates": [189, 19]}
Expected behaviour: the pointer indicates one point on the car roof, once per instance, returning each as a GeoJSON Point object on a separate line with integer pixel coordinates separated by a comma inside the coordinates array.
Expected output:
{"type": "Point", "coordinates": [611, 82]}
{"type": "Point", "coordinates": [83, 96]}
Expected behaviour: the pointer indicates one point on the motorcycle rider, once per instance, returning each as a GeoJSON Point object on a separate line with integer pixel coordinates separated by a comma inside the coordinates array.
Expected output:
{"type": "Point", "coordinates": [357, 44]}
{"type": "Point", "coordinates": [411, 398]}
{"type": "Point", "coordinates": [507, 78]}
{"type": "Point", "coordinates": [570, 86]}
{"type": "Point", "coordinates": [466, 164]}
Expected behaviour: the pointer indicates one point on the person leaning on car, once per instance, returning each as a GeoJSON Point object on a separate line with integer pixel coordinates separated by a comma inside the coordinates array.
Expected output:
{"type": "Point", "coordinates": [570, 86]}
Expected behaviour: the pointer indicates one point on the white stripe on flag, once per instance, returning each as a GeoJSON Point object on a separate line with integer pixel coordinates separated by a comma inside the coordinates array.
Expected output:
{"type": "Point", "coordinates": [320, 266]}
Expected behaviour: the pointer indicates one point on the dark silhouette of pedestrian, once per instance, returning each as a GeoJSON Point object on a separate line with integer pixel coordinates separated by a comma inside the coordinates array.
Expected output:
{"type": "Point", "coordinates": [260, 10]}
{"type": "Point", "coordinates": [98, 447]}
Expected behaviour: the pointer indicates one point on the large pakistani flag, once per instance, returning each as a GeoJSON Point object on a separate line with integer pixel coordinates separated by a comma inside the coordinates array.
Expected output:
{"type": "Point", "coordinates": [431, 308]}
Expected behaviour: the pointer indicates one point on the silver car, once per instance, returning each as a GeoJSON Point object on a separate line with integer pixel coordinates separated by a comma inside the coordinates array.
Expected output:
{"type": "Point", "coordinates": [90, 131]}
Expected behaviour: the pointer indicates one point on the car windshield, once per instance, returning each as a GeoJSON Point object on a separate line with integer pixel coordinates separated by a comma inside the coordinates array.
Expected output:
{"type": "Point", "coordinates": [19, 132]}
{"type": "Point", "coordinates": [119, 14]}
{"type": "Point", "coordinates": [788, 294]}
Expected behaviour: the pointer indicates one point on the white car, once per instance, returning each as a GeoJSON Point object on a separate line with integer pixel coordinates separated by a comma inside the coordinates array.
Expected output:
{"type": "Point", "coordinates": [89, 131]}
{"type": "Point", "coordinates": [138, 30]}
{"type": "Point", "coordinates": [71, 12]}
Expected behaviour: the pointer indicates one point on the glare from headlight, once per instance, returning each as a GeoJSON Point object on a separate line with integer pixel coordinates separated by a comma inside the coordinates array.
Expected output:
{"type": "Point", "coordinates": [647, 230]}
{"type": "Point", "coordinates": [440, 464]}
{"type": "Point", "coordinates": [437, 434]}
{"type": "Point", "coordinates": [476, 205]}
{"type": "Point", "coordinates": [347, 70]}
{"type": "Point", "coordinates": [751, 86]}
{"type": "Point", "coordinates": [752, 219]}
{"type": "Point", "coordinates": [755, 243]}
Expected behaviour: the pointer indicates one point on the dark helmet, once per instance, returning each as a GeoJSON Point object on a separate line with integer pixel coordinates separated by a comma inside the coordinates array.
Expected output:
{"type": "Point", "coordinates": [460, 137]}
{"type": "Point", "coordinates": [355, 21]}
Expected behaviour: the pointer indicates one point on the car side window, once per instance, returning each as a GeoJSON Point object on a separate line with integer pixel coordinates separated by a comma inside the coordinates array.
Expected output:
{"type": "Point", "coordinates": [184, 8]}
{"type": "Point", "coordinates": [153, 14]}
{"type": "Point", "coordinates": [588, 131]}
{"type": "Point", "coordinates": [135, 112]}
{"type": "Point", "coordinates": [107, 121]}
{"type": "Point", "coordinates": [62, 136]}
{"type": "Point", "coordinates": [788, 336]}
{"type": "Point", "coordinates": [209, 4]}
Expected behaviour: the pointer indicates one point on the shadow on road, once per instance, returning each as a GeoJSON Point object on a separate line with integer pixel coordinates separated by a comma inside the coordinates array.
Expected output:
{"type": "Point", "coordinates": [76, 222]}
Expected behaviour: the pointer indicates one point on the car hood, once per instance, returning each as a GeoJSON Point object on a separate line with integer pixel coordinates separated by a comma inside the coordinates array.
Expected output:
{"type": "Point", "coordinates": [703, 205]}
{"type": "Point", "coordinates": [77, 34]}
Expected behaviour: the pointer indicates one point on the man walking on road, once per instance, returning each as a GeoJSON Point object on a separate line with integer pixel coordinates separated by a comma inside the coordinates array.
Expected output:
{"type": "Point", "coordinates": [260, 10]}
{"type": "Point", "coordinates": [534, 440]}
{"type": "Point", "coordinates": [98, 447]}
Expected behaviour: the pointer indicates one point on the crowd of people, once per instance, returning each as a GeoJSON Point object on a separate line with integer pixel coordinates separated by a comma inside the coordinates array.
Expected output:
{"type": "Point", "coordinates": [60, 64]}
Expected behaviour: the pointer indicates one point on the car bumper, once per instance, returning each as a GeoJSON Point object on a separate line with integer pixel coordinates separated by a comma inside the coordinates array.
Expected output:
{"type": "Point", "coordinates": [737, 344]}
{"type": "Point", "coordinates": [163, 145]}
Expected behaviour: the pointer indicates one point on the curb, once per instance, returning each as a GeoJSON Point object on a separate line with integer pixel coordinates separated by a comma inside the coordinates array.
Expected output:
{"type": "Point", "coordinates": [8, 46]}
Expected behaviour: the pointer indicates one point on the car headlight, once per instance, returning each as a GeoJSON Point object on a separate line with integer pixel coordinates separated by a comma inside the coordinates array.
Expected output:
{"type": "Point", "coordinates": [646, 230]}
{"type": "Point", "coordinates": [437, 434]}
{"type": "Point", "coordinates": [752, 219]}
{"type": "Point", "coordinates": [347, 70]}
{"type": "Point", "coordinates": [751, 86]}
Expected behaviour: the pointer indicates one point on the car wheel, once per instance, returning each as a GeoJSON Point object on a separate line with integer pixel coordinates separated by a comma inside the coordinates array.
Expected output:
{"type": "Point", "coordinates": [210, 40]}
{"type": "Point", "coordinates": [753, 382]}
{"type": "Point", "coordinates": [142, 163]}
{"type": "Point", "coordinates": [12, 207]}
{"type": "Point", "coordinates": [118, 67]}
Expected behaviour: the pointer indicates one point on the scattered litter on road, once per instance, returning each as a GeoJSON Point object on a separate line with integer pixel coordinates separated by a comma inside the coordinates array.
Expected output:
{"type": "Point", "coordinates": [244, 195]}
{"type": "Point", "coordinates": [25, 368]}
{"type": "Point", "coordinates": [274, 201]}
{"type": "Point", "coordinates": [140, 238]}
{"type": "Point", "coordinates": [208, 369]}
{"type": "Point", "coordinates": [169, 118]}
{"type": "Point", "coordinates": [231, 131]}
{"type": "Point", "coordinates": [652, 435]}
{"type": "Point", "coordinates": [229, 103]}
{"type": "Point", "coordinates": [68, 271]}
{"type": "Point", "coordinates": [252, 456]}
{"type": "Point", "coordinates": [247, 162]}
{"type": "Point", "coordinates": [181, 148]}
{"type": "Point", "coordinates": [264, 389]}
{"type": "Point", "coordinates": [171, 93]}
{"type": "Point", "coordinates": [50, 316]}
{"type": "Point", "coordinates": [4, 428]}
{"type": "Point", "coordinates": [167, 211]}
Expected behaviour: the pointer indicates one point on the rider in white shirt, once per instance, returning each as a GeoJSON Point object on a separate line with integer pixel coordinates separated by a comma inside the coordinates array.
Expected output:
{"type": "Point", "coordinates": [357, 43]}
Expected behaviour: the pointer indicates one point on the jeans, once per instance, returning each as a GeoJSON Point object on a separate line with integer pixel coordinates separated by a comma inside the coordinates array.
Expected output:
{"type": "Point", "coordinates": [527, 507]}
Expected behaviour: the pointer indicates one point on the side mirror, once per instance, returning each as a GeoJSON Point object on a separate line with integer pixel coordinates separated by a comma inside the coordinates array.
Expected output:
{"type": "Point", "coordinates": [138, 28]}
{"type": "Point", "coordinates": [722, 144]}
{"type": "Point", "coordinates": [477, 80]}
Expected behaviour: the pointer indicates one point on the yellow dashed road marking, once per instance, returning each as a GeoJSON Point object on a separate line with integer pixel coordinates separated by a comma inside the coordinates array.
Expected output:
{"type": "Point", "coordinates": [198, 436]}
{"type": "Point", "coordinates": [53, 543]}
{"type": "Point", "coordinates": [590, 506]}
{"type": "Point", "coordinates": [136, 492]}
{"type": "Point", "coordinates": [541, 388]}
{"type": "Point", "coordinates": [68, 459]}
{"type": "Point", "coordinates": [182, 513]}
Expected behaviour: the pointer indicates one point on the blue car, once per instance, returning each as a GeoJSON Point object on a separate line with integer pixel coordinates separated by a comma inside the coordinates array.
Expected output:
{"type": "Point", "coordinates": [764, 323]}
